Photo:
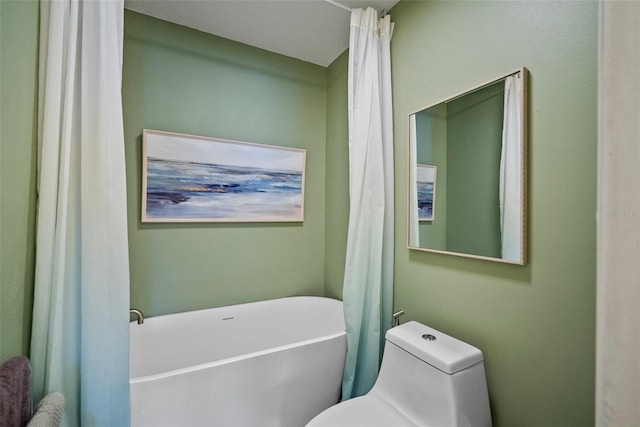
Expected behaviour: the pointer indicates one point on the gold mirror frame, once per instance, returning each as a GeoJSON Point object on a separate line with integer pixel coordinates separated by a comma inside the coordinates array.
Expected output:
{"type": "Point", "coordinates": [452, 118]}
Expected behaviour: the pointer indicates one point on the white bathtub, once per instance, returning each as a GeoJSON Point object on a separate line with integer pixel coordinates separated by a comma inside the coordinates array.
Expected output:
{"type": "Point", "coordinates": [268, 363]}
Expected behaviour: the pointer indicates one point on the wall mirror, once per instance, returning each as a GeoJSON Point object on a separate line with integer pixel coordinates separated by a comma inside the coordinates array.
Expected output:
{"type": "Point", "coordinates": [467, 173]}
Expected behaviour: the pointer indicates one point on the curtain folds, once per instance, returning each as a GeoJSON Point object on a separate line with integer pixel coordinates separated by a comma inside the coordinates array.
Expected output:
{"type": "Point", "coordinates": [618, 229]}
{"type": "Point", "coordinates": [510, 177]}
{"type": "Point", "coordinates": [80, 343]}
{"type": "Point", "coordinates": [368, 278]}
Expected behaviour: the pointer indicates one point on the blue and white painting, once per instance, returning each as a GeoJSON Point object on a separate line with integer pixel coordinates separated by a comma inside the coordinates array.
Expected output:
{"type": "Point", "coordinates": [198, 179]}
{"type": "Point", "coordinates": [426, 185]}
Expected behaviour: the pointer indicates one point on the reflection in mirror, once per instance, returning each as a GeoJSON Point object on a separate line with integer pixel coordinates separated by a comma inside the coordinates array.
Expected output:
{"type": "Point", "coordinates": [476, 142]}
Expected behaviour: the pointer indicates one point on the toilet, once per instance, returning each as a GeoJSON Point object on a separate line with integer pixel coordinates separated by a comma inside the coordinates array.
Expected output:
{"type": "Point", "coordinates": [427, 378]}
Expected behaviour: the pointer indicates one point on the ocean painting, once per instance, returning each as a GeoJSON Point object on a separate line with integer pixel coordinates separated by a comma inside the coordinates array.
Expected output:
{"type": "Point", "coordinates": [199, 179]}
{"type": "Point", "coordinates": [426, 185]}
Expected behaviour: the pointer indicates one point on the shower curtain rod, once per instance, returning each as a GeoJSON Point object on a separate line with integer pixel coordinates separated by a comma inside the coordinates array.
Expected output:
{"type": "Point", "coordinates": [341, 6]}
{"type": "Point", "coordinates": [381, 14]}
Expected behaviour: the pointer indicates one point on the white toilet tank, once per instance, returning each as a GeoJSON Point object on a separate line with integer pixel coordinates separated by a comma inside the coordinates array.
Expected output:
{"type": "Point", "coordinates": [432, 378]}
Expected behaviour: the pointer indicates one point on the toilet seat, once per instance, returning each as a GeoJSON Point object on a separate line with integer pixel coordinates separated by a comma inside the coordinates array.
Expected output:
{"type": "Point", "coordinates": [364, 411]}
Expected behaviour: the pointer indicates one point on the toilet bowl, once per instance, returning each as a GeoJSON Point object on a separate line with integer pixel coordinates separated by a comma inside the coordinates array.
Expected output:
{"type": "Point", "coordinates": [427, 378]}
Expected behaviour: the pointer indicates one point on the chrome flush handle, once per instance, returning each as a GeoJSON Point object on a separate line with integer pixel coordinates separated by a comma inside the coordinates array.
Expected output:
{"type": "Point", "coordinates": [396, 318]}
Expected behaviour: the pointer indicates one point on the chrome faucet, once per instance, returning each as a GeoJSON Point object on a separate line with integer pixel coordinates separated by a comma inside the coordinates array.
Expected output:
{"type": "Point", "coordinates": [138, 314]}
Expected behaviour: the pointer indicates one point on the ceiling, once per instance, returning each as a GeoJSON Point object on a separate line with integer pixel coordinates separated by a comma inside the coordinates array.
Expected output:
{"type": "Point", "coordinates": [315, 31]}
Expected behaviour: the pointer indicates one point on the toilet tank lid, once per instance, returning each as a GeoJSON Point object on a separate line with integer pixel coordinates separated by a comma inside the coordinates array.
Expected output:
{"type": "Point", "coordinates": [445, 352]}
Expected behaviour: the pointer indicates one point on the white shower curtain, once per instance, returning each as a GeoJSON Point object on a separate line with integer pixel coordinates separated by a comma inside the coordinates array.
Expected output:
{"type": "Point", "coordinates": [368, 277]}
{"type": "Point", "coordinates": [80, 335]}
{"type": "Point", "coordinates": [618, 235]}
{"type": "Point", "coordinates": [510, 192]}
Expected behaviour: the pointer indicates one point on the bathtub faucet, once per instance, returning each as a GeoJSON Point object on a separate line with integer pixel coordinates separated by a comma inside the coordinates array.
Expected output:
{"type": "Point", "coordinates": [138, 314]}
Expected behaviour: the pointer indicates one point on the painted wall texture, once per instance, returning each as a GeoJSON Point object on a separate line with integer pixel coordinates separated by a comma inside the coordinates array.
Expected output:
{"type": "Point", "coordinates": [177, 79]}
{"type": "Point", "coordinates": [18, 134]}
{"type": "Point", "coordinates": [337, 181]}
{"type": "Point", "coordinates": [535, 324]}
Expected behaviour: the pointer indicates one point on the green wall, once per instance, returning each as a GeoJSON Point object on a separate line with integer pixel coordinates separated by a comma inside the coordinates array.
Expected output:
{"type": "Point", "coordinates": [535, 324]}
{"type": "Point", "coordinates": [180, 80]}
{"type": "Point", "coordinates": [431, 149]}
{"type": "Point", "coordinates": [337, 180]}
{"type": "Point", "coordinates": [18, 136]}
{"type": "Point", "coordinates": [463, 138]}
{"type": "Point", "coordinates": [474, 148]}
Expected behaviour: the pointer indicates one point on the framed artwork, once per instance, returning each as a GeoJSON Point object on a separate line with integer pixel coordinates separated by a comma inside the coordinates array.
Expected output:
{"type": "Point", "coordinates": [426, 185]}
{"type": "Point", "coordinates": [188, 178]}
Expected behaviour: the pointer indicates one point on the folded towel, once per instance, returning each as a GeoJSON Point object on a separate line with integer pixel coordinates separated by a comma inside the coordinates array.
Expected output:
{"type": "Point", "coordinates": [15, 392]}
{"type": "Point", "coordinates": [49, 411]}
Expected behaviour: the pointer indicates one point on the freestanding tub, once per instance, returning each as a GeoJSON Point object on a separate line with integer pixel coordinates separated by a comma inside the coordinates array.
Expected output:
{"type": "Point", "coordinates": [269, 363]}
